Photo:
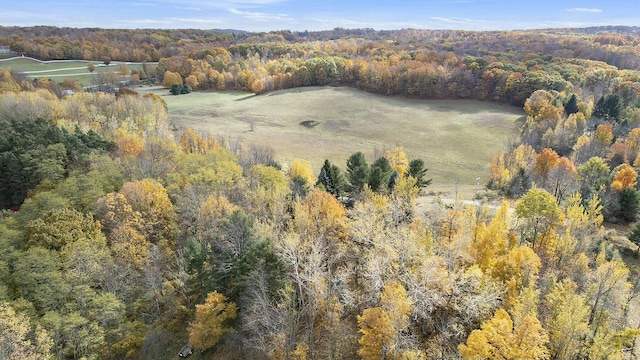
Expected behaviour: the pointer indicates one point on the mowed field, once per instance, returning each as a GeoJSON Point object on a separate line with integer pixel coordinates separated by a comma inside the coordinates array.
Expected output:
{"type": "Point", "coordinates": [456, 138]}
{"type": "Point", "coordinates": [58, 70]}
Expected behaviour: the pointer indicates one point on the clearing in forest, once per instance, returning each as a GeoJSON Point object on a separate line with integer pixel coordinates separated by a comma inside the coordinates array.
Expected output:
{"type": "Point", "coordinates": [456, 138]}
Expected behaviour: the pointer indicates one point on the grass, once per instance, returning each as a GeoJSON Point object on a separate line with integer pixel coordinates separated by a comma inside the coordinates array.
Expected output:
{"type": "Point", "coordinates": [456, 138]}
{"type": "Point", "coordinates": [60, 70]}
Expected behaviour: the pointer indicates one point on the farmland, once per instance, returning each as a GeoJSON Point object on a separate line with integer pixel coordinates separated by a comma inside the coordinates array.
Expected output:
{"type": "Point", "coordinates": [59, 70]}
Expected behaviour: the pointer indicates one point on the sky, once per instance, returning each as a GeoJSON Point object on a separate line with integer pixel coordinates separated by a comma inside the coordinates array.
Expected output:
{"type": "Point", "coordinates": [312, 15]}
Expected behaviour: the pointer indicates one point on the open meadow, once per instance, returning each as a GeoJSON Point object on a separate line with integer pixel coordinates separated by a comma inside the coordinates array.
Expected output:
{"type": "Point", "coordinates": [456, 138]}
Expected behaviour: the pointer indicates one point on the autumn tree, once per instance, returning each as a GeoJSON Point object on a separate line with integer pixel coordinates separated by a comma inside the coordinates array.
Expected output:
{"type": "Point", "coordinates": [544, 163]}
{"type": "Point", "coordinates": [301, 177]}
{"type": "Point", "coordinates": [540, 214]}
{"type": "Point", "coordinates": [170, 79]}
{"type": "Point", "coordinates": [212, 321]}
{"type": "Point", "coordinates": [16, 338]}
{"type": "Point", "coordinates": [625, 178]}
{"type": "Point", "coordinates": [398, 160]}
{"type": "Point", "coordinates": [567, 323]}
{"type": "Point", "coordinates": [498, 338]}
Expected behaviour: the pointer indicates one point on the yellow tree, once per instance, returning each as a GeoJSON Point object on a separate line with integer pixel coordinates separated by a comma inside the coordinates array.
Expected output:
{"type": "Point", "coordinates": [499, 339]}
{"type": "Point", "coordinates": [625, 178]}
{"type": "Point", "coordinates": [192, 142]}
{"type": "Point", "coordinates": [14, 337]}
{"type": "Point", "coordinates": [377, 334]}
{"type": "Point", "coordinates": [302, 168]}
{"type": "Point", "coordinates": [633, 142]}
{"type": "Point", "coordinates": [381, 325]}
{"type": "Point", "coordinates": [170, 79]}
{"type": "Point", "coordinates": [517, 269]}
{"type": "Point", "coordinates": [493, 239]}
{"type": "Point", "coordinates": [301, 177]}
{"type": "Point", "coordinates": [567, 323]}
{"type": "Point", "coordinates": [151, 200]}
{"type": "Point", "coordinates": [395, 300]}
{"type": "Point", "coordinates": [539, 214]}
{"type": "Point", "coordinates": [398, 160]}
{"type": "Point", "coordinates": [211, 321]}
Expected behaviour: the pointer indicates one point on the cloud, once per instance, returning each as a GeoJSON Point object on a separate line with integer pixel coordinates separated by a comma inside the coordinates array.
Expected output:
{"type": "Point", "coordinates": [188, 8]}
{"type": "Point", "coordinates": [585, 10]}
{"type": "Point", "coordinates": [452, 20]}
{"type": "Point", "coordinates": [259, 16]}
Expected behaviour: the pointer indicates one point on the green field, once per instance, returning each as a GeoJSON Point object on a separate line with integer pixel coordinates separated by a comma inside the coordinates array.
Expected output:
{"type": "Point", "coordinates": [60, 70]}
{"type": "Point", "coordinates": [456, 138]}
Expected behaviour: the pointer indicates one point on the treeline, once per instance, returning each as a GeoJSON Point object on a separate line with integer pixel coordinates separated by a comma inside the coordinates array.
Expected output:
{"type": "Point", "coordinates": [164, 241]}
{"type": "Point", "coordinates": [613, 45]}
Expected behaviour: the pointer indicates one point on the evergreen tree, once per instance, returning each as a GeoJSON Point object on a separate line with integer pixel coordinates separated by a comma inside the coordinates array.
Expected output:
{"type": "Point", "coordinates": [379, 174]}
{"type": "Point", "coordinates": [608, 107]}
{"type": "Point", "coordinates": [418, 172]}
{"type": "Point", "coordinates": [331, 179]}
{"type": "Point", "coordinates": [571, 106]}
{"type": "Point", "coordinates": [357, 171]}
{"type": "Point", "coordinates": [634, 235]}
{"type": "Point", "coordinates": [629, 203]}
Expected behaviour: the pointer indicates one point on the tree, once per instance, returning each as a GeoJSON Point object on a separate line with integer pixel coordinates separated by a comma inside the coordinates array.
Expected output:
{"type": "Point", "coordinates": [571, 106]}
{"type": "Point", "coordinates": [60, 227]}
{"type": "Point", "coordinates": [418, 172]}
{"type": "Point", "coordinates": [608, 107]}
{"type": "Point", "coordinates": [634, 235]}
{"type": "Point", "coordinates": [150, 199]}
{"type": "Point", "coordinates": [498, 339]}
{"type": "Point", "coordinates": [398, 160]}
{"type": "Point", "coordinates": [91, 67]}
{"type": "Point", "coordinates": [544, 163]}
{"type": "Point", "coordinates": [567, 322]}
{"type": "Point", "coordinates": [176, 89]}
{"type": "Point", "coordinates": [211, 322]}
{"type": "Point", "coordinates": [540, 213]}
{"type": "Point", "coordinates": [379, 174]}
{"type": "Point", "coordinates": [15, 339]}
{"type": "Point", "coordinates": [562, 178]}
{"type": "Point", "coordinates": [593, 175]}
{"type": "Point", "coordinates": [377, 334]}
{"type": "Point", "coordinates": [301, 177]}
{"type": "Point", "coordinates": [170, 79]}
{"type": "Point", "coordinates": [331, 179]}
{"type": "Point", "coordinates": [625, 178]}
{"type": "Point", "coordinates": [629, 202]}
{"type": "Point", "coordinates": [357, 171]}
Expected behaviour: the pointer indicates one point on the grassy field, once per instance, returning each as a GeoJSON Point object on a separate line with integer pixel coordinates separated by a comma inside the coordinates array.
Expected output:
{"type": "Point", "coordinates": [60, 70]}
{"type": "Point", "coordinates": [456, 138]}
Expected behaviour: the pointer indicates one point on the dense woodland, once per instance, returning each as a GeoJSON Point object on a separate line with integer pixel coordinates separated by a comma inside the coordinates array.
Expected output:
{"type": "Point", "coordinates": [123, 238]}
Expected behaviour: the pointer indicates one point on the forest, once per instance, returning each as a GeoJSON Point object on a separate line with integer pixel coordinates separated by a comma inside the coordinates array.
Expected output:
{"type": "Point", "coordinates": [122, 237]}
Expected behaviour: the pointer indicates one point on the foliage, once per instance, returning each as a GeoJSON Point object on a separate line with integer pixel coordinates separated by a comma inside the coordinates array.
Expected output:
{"type": "Point", "coordinates": [331, 179]}
{"type": "Point", "coordinates": [357, 172]}
{"type": "Point", "coordinates": [185, 230]}
{"type": "Point", "coordinates": [211, 322]}
{"type": "Point", "coordinates": [33, 150]}
{"type": "Point", "coordinates": [15, 340]}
